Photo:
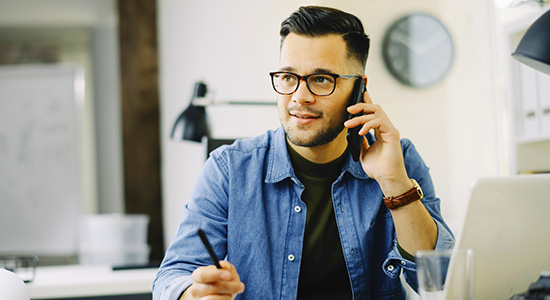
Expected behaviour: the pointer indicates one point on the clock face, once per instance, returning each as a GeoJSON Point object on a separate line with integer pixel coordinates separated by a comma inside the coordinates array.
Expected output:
{"type": "Point", "coordinates": [418, 50]}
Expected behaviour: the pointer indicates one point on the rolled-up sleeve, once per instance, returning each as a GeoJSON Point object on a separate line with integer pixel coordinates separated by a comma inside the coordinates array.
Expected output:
{"type": "Point", "coordinates": [395, 262]}
{"type": "Point", "coordinates": [170, 286]}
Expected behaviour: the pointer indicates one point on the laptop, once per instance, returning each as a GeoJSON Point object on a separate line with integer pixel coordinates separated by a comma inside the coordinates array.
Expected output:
{"type": "Point", "coordinates": [507, 224]}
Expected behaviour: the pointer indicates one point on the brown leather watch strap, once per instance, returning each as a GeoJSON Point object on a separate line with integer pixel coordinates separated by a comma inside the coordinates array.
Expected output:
{"type": "Point", "coordinates": [411, 195]}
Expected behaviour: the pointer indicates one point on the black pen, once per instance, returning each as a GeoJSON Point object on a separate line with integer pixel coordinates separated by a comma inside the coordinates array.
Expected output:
{"type": "Point", "coordinates": [213, 256]}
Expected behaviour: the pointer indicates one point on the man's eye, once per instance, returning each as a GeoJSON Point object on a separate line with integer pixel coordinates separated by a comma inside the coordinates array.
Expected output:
{"type": "Point", "coordinates": [288, 78]}
{"type": "Point", "coordinates": [322, 79]}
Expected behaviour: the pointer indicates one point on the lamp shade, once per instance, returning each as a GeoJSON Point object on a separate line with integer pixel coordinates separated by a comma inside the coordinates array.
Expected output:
{"type": "Point", "coordinates": [534, 48]}
{"type": "Point", "coordinates": [12, 287]}
{"type": "Point", "coordinates": [192, 123]}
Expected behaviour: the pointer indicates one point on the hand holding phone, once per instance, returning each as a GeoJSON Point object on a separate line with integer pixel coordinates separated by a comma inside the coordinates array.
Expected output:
{"type": "Point", "coordinates": [355, 141]}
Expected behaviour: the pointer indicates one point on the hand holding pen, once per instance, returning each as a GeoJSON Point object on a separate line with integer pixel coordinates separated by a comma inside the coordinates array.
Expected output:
{"type": "Point", "coordinates": [220, 279]}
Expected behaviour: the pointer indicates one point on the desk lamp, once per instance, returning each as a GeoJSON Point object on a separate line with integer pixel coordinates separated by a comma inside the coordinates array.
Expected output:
{"type": "Point", "coordinates": [534, 48]}
{"type": "Point", "coordinates": [12, 287]}
{"type": "Point", "coordinates": [191, 124]}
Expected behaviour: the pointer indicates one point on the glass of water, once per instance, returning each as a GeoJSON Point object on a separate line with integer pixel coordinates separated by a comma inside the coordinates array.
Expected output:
{"type": "Point", "coordinates": [446, 274]}
{"type": "Point", "coordinates": [23, 266]}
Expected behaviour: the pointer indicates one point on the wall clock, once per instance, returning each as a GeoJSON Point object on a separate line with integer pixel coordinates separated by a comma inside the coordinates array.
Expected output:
{"type": "Point", "coordinates": [418, 50]}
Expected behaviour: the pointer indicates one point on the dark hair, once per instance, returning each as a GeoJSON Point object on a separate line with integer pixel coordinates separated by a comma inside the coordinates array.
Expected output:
{"type": "Point", "coordinates": [315, 21]}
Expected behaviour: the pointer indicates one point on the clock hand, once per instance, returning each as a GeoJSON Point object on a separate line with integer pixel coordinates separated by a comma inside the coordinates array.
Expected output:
{"type": "Point", "coordinates": [431, 42]}
{"type": "Point", "coordinates": [406, 41]}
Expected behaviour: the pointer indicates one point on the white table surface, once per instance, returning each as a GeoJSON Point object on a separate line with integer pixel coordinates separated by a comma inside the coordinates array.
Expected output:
{"type": "Point", "coordinates": [89, 281]}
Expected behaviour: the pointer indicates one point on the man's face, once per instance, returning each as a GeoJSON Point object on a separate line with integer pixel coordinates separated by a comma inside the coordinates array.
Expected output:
{"type": "Point", "coordinates": [311, 120]}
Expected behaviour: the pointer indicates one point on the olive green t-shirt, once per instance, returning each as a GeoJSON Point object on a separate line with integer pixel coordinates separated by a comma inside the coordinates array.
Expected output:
{"type": "Point", "coordinates": [323, 273]}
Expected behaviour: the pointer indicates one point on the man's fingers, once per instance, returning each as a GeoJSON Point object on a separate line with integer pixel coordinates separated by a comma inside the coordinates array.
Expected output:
{"type": "Point", "coordinates": [367, 108]}
{"type": "Point", "coordinates": [210, 274]}
{"type": "Point", "coordinates": [216, 283]}
{"type": "Point", "coordinates": [228, 266]}
{"type": "Point", "coordinates": [234, 275]}
{"type": "Point", "coordinates": [217, 297]}
{"type": "Point", "coordinates": [217, 288]}
{"type": "Point", "coordinates": [357, 121]}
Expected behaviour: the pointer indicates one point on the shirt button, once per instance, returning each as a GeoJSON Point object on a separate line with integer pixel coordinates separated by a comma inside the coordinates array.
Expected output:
{"type": "Point", "coordinates": [297, 208]}
{"type": "Point", "coordinates": [391, 268]}
{"type": "Point", "coordinates": [403, 263]}
{"type": "Point", "coordinates": [291, 257]}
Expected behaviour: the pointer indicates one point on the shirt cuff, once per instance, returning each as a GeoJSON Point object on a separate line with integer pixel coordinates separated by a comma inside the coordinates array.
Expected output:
{"type": "Point", "coordinates": [174, 289]}
{"type": "Point", "coordinates": [445, 239]}
{"type": "Point", "coordinates": [395, 261]}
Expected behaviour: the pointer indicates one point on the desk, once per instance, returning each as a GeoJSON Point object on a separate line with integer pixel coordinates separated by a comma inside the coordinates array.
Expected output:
{"type": "Point", "coordinates": [97, 282]}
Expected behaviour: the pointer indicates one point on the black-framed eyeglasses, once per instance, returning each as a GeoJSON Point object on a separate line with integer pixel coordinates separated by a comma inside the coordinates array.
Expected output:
{"type": "Point", "coordinates": [320, 84]}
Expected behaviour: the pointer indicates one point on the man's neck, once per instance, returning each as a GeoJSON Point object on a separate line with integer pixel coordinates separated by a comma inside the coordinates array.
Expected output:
{"type": "Point", "coordinates": [324, 153]}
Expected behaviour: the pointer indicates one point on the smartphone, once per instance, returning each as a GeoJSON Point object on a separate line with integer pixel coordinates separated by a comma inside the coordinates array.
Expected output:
{"type": "Point", "coordinates": [355, 141]}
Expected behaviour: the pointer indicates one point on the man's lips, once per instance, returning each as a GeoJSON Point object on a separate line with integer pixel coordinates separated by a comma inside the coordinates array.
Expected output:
{"type": "Point", "coordinates": [304, 115]}
{"type": "Point", "coordinates": [303, 118]}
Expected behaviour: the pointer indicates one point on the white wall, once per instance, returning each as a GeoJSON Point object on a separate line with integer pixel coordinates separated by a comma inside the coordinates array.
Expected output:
{"type": "Point", "coordinates": [474, 135]}
{"type": "Point", "coordinates": [453, 124]}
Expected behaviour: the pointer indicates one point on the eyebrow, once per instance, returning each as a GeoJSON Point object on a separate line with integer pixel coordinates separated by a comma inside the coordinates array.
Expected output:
{"type": "Point", "coordinates": [288, 69]}
{"type": "Point", "coordinates": [316, 70]}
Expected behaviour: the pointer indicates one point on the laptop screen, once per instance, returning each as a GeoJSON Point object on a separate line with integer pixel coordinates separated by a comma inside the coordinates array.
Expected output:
{"type": "Point", "coordinates": [507, 224]}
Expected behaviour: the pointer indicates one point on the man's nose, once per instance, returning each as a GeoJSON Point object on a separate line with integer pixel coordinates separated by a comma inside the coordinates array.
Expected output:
{"type": "Point", "coordinates": [303, 95]}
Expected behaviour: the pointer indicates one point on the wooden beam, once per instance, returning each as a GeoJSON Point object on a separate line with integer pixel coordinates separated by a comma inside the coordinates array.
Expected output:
{"type": "Point", "coordinates": [141, 115]}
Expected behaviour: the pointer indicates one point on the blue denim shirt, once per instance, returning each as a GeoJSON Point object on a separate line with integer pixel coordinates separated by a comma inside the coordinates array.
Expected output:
{"type": "Point", "coordinates": [247, 200]}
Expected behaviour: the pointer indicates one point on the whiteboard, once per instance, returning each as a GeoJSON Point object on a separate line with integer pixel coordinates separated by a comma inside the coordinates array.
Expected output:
{"type": "Point", "coordinates": [40, 155]}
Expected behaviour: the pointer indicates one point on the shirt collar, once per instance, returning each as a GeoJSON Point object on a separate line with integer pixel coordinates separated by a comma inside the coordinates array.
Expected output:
{"type": "Point", "coordinates": [278, 166]}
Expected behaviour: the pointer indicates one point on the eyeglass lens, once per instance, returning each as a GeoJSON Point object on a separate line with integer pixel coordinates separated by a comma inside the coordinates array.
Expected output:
{"type": "Point", "coordinates": [318, 84]}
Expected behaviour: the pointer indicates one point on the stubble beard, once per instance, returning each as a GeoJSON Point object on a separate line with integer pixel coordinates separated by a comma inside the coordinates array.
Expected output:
{"type": "Point", "coordinates": [304, 137]}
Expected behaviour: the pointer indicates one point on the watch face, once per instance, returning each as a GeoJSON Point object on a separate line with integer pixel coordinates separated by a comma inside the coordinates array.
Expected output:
{"type": "Point", "coordinates": [418, 50]}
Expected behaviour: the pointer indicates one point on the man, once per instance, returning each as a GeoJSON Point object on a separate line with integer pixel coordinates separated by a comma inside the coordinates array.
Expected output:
{"type": "Point", "coordinates": [292, 214]}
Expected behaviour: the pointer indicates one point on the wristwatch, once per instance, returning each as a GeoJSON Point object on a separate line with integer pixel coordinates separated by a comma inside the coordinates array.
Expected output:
{"type": "Point", "coordinates": [411, 195]}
